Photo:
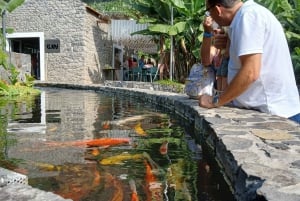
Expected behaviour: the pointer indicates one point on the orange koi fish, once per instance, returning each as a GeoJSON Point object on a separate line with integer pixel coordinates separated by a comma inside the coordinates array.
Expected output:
{"type": "Point", "coordinates": [149, 174]}
{"type": "Point", "coordinates": [107, 141]}
{"type": "Point", "coordinates": [153, 187]}
{"type": "Point", "coordinates": [92, 142]}
{"type": "Point", "coordinates": [105, 125]}
{"type": "Point", "coordinates": [134, 195]}
{"type": "Point", "coordinates": [139, 130]}
{"type": "Point", "coordinates": [95, 152]}
{"type": "Point", "coordinates": [92, 154]}
{"type": "Point", "coordinates": [164, 148]}
{"type": "Point", "coordinates": [96, 181]}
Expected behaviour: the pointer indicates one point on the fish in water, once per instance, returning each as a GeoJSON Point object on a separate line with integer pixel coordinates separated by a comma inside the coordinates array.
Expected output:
{"type": "Point", "coordinates": [134, 195]}
{"type": "Point", "coordinates": [95, 152]}
{"type": "Point", "coordinates": [136, 118]}
{"type": "Point", "coordinates": [150, 177]}
{"type": "Point", "coordinates": [154, 166]}
{"type": "Point", "coordinates": [92, 142]}
{"type": "Point", "coordinates": [163, 149]}
{"type": "Point", "coordinates": [139, 130]}
{"type": "Point", "coordinates": [47, 167]}
{"type": "Point", "coordinates": [105, 125]}
{"type": "Point", "coordinates": [97, 178]}
{"type": "Point", "coordinates": [154, 190]}
{"type": "Point", "coordinates": [107, 141]}
{"type": "Point", "coordinates": [119, 159]}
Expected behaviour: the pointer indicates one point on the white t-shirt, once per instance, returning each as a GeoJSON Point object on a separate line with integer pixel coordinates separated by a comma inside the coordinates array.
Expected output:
{"type": "Point", "coordinates": [255, 29]}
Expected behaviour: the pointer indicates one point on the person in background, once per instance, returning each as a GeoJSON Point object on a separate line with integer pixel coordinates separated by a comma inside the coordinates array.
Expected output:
{"type": "Point", "coordinates": [142, 61]}
{"type": "Point", "coordinates": [211, 55]}
{"type": "Point", "coordinates": [117, 67]}
{"type": "Point", "coordinates": [260, 74]}
{"type": "Point", "coordinates": [130, 62]}
{"type": "Point", "coordinates": [134, 62]}
{"type": "Point", "coordinates": [163, 65]}
{"type": "Point", "coordinates": [222, 70]}
{"type": "Point", "coordinates": [126, 68]}
{"type": "Point", "coordinates": [149, 63]}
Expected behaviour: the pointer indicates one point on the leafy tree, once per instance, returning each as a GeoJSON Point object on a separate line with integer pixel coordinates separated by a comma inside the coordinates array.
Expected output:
{"type": "Point", "coordinates": [184, 31]}
{"type": "Point", "coordinates": [7, 6]}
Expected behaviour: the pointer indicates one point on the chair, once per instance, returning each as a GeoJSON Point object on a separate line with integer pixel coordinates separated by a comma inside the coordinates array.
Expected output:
{"type": "Point", "coordinates": [152, 73]}
{"type": "Point", "coordinates": [144, 74]}
{"type": "Point", "coordinates": [136, 74]}
{"type": "Point", "coordinates": [126, 73]}
{"type": "Point", "coordinates": [130, 74]}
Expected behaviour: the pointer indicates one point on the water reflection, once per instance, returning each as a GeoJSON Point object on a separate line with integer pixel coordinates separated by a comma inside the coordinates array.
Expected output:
{"type": "Point", "coordinates": [90, 146]}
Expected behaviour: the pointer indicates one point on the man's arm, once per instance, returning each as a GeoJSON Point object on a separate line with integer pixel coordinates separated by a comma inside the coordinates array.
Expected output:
{"type": "Point", "coordinates": [207, 41]}
{"type": "Point", "coordinates": [248, 74]}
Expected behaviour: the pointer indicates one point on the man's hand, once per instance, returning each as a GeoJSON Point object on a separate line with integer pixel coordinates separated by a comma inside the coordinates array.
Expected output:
{"type": "Point", "coordinates": [206, 101]}
{"type": "Point", "coordinates": [220, 39]}
{"type": "Point", "coordinates": [207, 24]}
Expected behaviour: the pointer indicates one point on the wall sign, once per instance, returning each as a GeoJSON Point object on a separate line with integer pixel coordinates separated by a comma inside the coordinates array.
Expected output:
{"type": "Point", "coordinates": [52, 46]}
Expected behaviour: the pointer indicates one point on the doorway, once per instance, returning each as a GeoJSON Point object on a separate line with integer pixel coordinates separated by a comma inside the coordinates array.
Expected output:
{"type": "Point", "coordinates": [29, 43]}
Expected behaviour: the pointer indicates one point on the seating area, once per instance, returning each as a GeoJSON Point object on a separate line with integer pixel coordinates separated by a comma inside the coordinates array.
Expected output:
{"type": "Point", "coordinates": [141, 74]}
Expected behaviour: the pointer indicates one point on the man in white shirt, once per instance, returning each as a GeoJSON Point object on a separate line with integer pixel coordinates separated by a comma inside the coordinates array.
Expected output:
{"type": "Point", "coordinates": [260, 70]}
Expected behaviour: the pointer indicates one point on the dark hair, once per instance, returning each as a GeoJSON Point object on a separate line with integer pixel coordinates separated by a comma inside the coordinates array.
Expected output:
{"type": "Point", "coordinates": [225, 3]}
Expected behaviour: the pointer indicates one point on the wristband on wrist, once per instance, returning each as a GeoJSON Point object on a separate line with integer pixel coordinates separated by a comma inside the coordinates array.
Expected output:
{"type": "Point", "coordinates": [207, 34]}
{"type": "Point", "coordinates": [215, 100]}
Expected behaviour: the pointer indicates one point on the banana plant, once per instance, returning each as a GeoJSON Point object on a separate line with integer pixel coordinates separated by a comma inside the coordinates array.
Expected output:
{"type": "Point", "coordinates": [7, 6]}
{"type": "Point", "coordinates": [187, 16]}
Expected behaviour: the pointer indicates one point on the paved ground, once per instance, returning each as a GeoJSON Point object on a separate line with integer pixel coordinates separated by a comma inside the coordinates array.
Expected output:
{"type": "Point", "coordinates": [259, 153]}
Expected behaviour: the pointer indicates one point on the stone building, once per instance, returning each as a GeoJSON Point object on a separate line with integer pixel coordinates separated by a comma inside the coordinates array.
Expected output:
{"type": "Point", "coordinates": [70, 42]}
{"type": "Point", "coordinates": [67, 40]}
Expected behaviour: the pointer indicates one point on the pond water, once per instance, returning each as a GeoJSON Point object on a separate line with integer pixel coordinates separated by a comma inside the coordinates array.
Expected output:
{"type": "Point", "coordinates": [85, 145]}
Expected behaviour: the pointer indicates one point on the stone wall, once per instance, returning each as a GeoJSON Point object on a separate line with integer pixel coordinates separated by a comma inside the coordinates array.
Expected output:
{"type": "Point", "coordinates": [22, 62]}
{"type": "Point", "coordinates": [75, 27]}
{"type": "Point", "coordinates": [98, 47]}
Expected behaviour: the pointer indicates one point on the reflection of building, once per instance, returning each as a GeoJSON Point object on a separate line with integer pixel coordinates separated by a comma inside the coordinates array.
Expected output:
{"type": "Point", "coordinates": [71, 41]}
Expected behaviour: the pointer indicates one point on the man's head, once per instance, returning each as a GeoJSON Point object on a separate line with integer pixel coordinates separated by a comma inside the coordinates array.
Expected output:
{"type": "Point", "coordinates": [223, 11]}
